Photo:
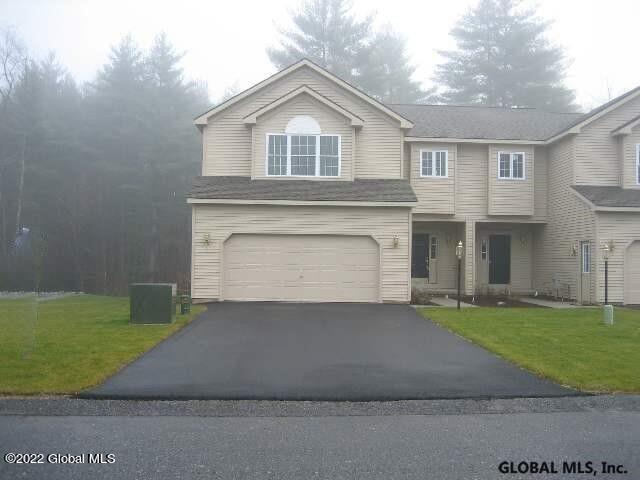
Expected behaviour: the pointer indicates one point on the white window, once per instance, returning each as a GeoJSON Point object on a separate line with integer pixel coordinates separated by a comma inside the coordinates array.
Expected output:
{"type": "Point", "coordinates": [433, 163]}
{"type": "Point", "coordinates": [586, 257]}
{"type": "Point", "coordinates": [277, 155]}
{"type": "Point", "coordinates": [303, 155]}
{"type": "Point", "coordinates": [434, 248]}
{"type": "Point", "coordinates": [511, 165]}
{"type": "Point", "coordinates": [638, 163]}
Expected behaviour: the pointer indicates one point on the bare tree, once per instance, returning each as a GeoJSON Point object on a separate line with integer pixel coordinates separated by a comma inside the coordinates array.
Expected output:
{"type": "Point", "coordinates": [13, 57]}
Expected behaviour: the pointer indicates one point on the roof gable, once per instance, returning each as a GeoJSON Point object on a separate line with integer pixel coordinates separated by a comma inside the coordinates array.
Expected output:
{"type": "Point", "coordinates": [203, 119]}
{"type": "Point", "coordinates": [252, 118]}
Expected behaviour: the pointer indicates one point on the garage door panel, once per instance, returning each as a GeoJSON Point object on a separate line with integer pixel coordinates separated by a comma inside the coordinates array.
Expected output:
{"type": "Point", "coordinates": [301, 268]}
{"type": "Point", "coordinates": [632, 275]}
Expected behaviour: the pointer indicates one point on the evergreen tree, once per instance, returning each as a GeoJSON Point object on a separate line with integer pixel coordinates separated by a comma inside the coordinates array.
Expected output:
{"type": "Point", "coordinates": [327, 33]}
{"type": "Point", "coordinates": [503, 59]}
{"type": "Point", "coordinates": [387, 73]}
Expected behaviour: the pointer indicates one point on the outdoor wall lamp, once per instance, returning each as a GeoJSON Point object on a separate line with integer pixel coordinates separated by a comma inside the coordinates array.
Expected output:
{"type": "Point", "coordinates": [206, 239]}
{"type": "Point", "coordinates": [574, 250]}
{"type": "Point", "coordinates": [459, 252]}
{"type": "Point", "coordinates": [396, 241]}
{"type": "Point", "coordinates": [523, 240]}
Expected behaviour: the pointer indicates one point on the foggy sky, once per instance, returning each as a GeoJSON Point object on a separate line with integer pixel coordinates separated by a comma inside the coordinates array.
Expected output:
{"type": "Point", "coordinates": [225, 41]}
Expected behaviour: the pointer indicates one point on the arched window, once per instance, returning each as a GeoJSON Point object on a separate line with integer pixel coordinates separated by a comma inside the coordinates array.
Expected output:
{"type": "Point", "coordinates": [303, 124]}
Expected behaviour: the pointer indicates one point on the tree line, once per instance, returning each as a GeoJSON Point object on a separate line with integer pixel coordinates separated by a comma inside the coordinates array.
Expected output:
{"type": "Point", "coordinates": [93, 177]}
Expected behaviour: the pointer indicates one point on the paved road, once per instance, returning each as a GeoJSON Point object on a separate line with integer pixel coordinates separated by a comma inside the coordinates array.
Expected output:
{"type": "Point", "coordinates": [333, 447]}
{"type": "Point", "coordinates": [319, 352]}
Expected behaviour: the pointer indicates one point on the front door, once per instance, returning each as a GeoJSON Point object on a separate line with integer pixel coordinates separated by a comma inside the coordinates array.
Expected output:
{"type": "Point", "coordinates": [499, 259]}
{"type": "Point", "coordinates": [420, 256]}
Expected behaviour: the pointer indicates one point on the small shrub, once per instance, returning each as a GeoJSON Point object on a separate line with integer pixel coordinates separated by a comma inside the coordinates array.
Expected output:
{"type": "Point", "coordinates": [420, 297]}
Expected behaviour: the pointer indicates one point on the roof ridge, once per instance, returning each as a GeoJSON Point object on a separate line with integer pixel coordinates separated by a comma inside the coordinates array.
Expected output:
{"type": "Point", "coordinates": [494, 107]}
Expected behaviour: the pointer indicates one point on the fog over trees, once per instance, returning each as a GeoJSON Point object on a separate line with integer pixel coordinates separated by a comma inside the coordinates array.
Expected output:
{"type": "Point", "coordinates": [97, 174]}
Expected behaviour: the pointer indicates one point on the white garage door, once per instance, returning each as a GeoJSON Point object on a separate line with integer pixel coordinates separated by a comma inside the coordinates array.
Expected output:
{"type": "Point", "coordinates": [310, 268]}
{"type": "Point", "coordinates": [632, 275]}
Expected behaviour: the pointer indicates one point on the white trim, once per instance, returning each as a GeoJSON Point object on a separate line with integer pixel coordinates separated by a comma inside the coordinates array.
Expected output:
{"type": "Point", "coordinates": [473, 140]}
{"type": "Point", "coordinates": [511, 157]}
{"type": "Point", "coordinates": [203, 119]}
{"type": "Point", "coordinates": [637, 164]}
{"type": "Point", "coordinates": [433, 165]}
{"type": "Point", "coordinates": [252, 118]}
{"type": "Point", "coordinates": [317, 164]}
{"type": "Point", "coordinates": [583, 244]}
{"type": "Point", "coordinates": [235, 201]}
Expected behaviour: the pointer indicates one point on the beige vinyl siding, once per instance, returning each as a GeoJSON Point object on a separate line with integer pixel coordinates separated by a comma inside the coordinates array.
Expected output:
{"type": "Point", "coordinates": [569, 221]}
{"type": "Point", "coordinates": [330, 121]}
{"type": "Point", "coordinates": [436, 195]}
{"type": "Point", "coordinates": [471, 181]}
{"type": "Point", "coordinates": [228, 140]}
{"type": "Point", "coordinates": [596, 157]}
{"type": "Point", "coordinates": [540, 182]}
{"type": "Point", "coordinates": [628, 158]}
{"type": "Point", "coordinates": [220, 221]}
{"type": "Point", "coordinates": [622, 229]}
{"type": "Point", "coordinates": [511, 196]}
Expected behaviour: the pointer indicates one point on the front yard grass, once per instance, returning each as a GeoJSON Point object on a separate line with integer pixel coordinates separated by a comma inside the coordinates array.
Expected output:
{"type": "Point", "coordinates": [572, 347]}
{"type": "Point", "coordinates": [72, 343]}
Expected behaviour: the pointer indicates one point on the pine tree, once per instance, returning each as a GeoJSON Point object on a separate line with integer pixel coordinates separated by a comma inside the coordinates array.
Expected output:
{"type": "Point", "coordinates": [387, 74]}
{"type": "Point", "coordinates": [504, 59]}
{"type": "Point", "coordinates": [327, 33]}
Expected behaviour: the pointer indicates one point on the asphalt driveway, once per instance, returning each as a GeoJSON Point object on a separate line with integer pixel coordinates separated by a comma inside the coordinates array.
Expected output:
{"type": "Point", "coordinates": [351, 352]}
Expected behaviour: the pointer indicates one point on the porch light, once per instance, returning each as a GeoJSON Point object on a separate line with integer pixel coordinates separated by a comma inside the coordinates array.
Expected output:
{"type": "Point", "coordinates": [396, 241]}
{"type": "Point", "coordinates": [606, 250]}
{"type": "Point", "coordinates": [459, 251]}
{"type": "Point", "coordinates": [206, 239]}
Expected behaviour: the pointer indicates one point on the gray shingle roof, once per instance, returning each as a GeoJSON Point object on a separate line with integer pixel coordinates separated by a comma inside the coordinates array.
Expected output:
{"type": "Point", "coordinates": [602, 196]}
{"type": "Point", "coordinates": [448, 121]}
{"type": "Point", "coordinates": [360, 190]}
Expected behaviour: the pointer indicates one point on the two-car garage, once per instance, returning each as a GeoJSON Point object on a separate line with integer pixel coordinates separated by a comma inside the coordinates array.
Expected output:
{"type": "Point", "coordinates": [306, 268]}
{"type": "Point", "coordinates": [300, 253]}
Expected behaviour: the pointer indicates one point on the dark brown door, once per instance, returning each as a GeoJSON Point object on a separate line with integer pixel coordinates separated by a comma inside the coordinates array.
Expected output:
{"type": "Point", "coordinates": [420, 256]}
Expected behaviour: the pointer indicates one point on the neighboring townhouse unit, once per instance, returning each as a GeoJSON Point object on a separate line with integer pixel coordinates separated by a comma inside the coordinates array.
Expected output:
{"type": "Point", "coordinates": [313, 191]}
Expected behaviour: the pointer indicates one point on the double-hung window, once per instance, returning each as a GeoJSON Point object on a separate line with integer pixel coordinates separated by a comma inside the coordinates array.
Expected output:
{"type": "Point", "coordinates": [511, 166]}
{"type": "Point", "coordinates": [433, 163]}
{"type": "Point", "coordinates": [277, 155]}
{"type": "Point", "coordinates": [303, 155]}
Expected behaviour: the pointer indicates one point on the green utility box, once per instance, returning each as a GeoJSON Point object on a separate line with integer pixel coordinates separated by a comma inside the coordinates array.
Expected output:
{"type": "Point", "coordinates": [152, 303]}
{"type": "Point", "coordinates": [185, 304]}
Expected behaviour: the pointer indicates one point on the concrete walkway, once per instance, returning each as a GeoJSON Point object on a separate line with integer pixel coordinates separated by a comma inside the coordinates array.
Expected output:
{"type": "Point", "coordinates": [549, 303]}
{"type": "Point", "coordinates": [449, 302]}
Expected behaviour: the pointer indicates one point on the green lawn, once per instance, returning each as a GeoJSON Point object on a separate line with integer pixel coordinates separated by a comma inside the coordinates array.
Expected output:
{"type": "Point", "coordinates": [69, 344]}
{"type": "Point", "coordinates": [572, 347]}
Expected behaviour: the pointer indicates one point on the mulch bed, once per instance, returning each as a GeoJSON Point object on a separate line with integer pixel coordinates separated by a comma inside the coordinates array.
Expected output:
{"type": "Point", "coordinates": [493, 300]}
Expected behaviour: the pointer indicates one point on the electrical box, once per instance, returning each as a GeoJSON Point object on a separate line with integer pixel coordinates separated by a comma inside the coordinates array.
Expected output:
{"type": "Point", "coordinates": [152, 303]}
